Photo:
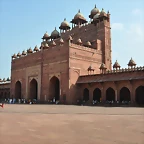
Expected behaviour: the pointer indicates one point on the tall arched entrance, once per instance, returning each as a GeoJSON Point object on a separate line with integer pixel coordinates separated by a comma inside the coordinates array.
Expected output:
{"type": "Point", "coordinates": [139, 95]}
{"type": "Point", "coordinates": [110, 94]}
{"type": "Point", "coordinates": [33, 89]}
{"type": "Point", "coordinates": [97, 94]}
{"type": "Point", "coordinates": [86, 94]}
{"type": "Point", "coordinates": [55, 88]}
{"type": "Point", "coordinates": [18, 90]}
{"type": "Point", "coordinates": [125, 94]}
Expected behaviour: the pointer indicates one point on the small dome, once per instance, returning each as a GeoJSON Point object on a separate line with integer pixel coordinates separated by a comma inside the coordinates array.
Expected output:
{"type": "Point", "coordinates": [4, 80]}
{"type": "Point", "coordinates": [116, 65]}
{"type": "Point", "coordinates": [96, 16]}
{"type": "Point", "coordinates": [94, 11]}
{"type": "Point", "coordinates": [46, 36]}
{"type": "Point", "coordinates": [65, 23]}
{"type": "Point", "coordinates": [88, 43]}
{"type": "Point", "coordinates": [29, 50]}
{"type": "Point", "coordinates": [23, 53]}
{"type": "Point", "coordinates": [53, 43]}
{"type": "Point", "coordinates": [102, 11]}
{"type": "Point", "coordinates": [79, 15]}
{"type": "Point", "coordinates": [131, 62]}
{"type": "Point", "coordinates": [14, 56]}
{"type": "Point", "coordinates": [102, 66]}
{"type": "Point", "coordinates": [0, 80]}
{"type": "Point", "coordinates": [36, 49]}
{"type": "Point", "coordinates": [55, 34]}
{"type": "Point", "coordinates": [61, 41]}
{"type": "Point", "coordinates": [18, 55]}
{"type": "Point", "coordinates": [8, 79]}
{"type": "Point", "coordinates": [79, 41]}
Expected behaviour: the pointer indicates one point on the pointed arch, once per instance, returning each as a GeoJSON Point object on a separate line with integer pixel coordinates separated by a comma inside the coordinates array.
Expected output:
{"type": "Point", "coordinates": [33, 89]}
{"type": "Point", "coordinates": [139, 95]}
{"type": "Point", "coordinates": [85, 94]}
{"type": "Point", "coordinates": [97, 94]}
{"type": "Point", "coordinates": [54, 88]}
{"type": "Point", "coordinates": [125, 94]}
{"type": "Point", "coordinates": [18, 90]}
{"type": "Point", "coordinates": [110, 94]}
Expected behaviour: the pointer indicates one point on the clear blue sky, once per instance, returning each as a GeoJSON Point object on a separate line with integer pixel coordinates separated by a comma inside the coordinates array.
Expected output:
{"type": "Point", "coordinates": [23, 23]}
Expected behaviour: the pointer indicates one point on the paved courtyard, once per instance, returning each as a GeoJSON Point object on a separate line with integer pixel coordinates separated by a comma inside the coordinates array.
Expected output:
{"type": "Point", "coordinates": [56, 124]}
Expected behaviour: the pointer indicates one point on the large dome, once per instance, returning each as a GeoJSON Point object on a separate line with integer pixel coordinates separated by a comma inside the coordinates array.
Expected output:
{"type": "Point", "coordinates": [65, 23]}
{"type": "Point", "coordinates": [94, 11]}
{"type": "Point", "coordinates": [79, 15]}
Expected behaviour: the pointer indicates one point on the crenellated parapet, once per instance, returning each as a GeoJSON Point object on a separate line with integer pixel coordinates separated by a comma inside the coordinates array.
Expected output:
{"type": "Point", "coordinates": [4, 80]}
{"type": "Point", "coordinates": [117, 68]}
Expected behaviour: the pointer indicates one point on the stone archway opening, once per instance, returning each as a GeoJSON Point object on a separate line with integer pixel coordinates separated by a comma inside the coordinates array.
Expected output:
{"type": "Point", "coordinates": [86, 94]}
{"type": "Point", "coordinates": [110, 94]}
{"type": "Point", "coordinates": [33, 90]}
{"type": "Point", "coordinates": [125, 94]}
{"type": "Point", "coordinates": [139, 95]}
{"type": "Point", "coordinates": [18, 90]}
{"type": "Point", "coordinates": [97, 94]}
{"type": "Point", "coordinates": [55, 88]}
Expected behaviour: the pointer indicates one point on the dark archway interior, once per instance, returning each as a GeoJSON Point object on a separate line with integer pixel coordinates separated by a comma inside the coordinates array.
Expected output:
{"type": "Point", "coordinates": [18, 90]}
{"type": "Point", "coordinates": [1, 95]}
{"type": "Point", "coordinates": [55, 88]}
{"type": "Point", "coordinates": [86, 94]}
{"type": "Point", "coordinates": [97, 94]}
{"type": "Point", "coordinates": [33, 89]}
{"type": "Point", "coordinates": [139, 98]}
{"type": "Point", "coordinates": [110, 94]}
{"type": "Point", "coordinates": [125, 94]}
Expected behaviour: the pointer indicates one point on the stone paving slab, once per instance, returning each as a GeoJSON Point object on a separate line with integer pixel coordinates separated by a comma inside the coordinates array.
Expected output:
{"type": "Point", "coordinates": [57, 124]}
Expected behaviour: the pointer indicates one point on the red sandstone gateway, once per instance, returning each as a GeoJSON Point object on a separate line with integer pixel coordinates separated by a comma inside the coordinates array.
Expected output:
{"type": "Point", "coordinates": [75, 64]}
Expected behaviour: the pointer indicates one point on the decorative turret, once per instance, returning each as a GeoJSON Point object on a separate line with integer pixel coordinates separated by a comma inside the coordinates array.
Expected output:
{"type": "Point", "coordinates": [53, 43]}
{"type": "Point", "coordinates": [36, 49]}
{"type": "Point", "coordinates": [94, 11]}
{"type": "Point", "coordinates": [23, 53]}
{"type": "Point", "coordinates": [14, 56]}
{"type": "Point", "coordinates": [19, 55]}
{"type": "Point", "coordinates": [0, 80]}
{"type": "Point", "coordinates": [55, 34]}
{"type": "Point", "coordinates": [79, 41]}
{"type": "Point", "coordinates": [78, 19]}
{"type": "Point", "coordinates": [4, 80]}
{"type": "Point", "coordinates": [103, 68]}
{"type": "Point", "coordinates": [100, 17]}
{"type": "Point", "coordinates": [116, 65]}
{"type": "Point", "coordinates": [46, 36]}
{"type": "Point", "coordinates": [90, 69]}
{"type": "Point", "coordinates": [29, 50]}
{"type": "Point", "coordinates": [8, 79]}
{"type": "Point", "coordinates": [131, 63]}
{"type": "Point", "coordinates": [64, 25]}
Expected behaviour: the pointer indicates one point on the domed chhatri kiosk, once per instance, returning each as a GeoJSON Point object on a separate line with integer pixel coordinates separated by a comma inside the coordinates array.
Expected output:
{"type": "Point", "coordinates": [75, 63]}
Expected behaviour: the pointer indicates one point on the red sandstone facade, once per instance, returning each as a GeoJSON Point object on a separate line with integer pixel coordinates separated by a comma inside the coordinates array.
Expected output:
{"type": "Point", "coordinates": [57, 68]}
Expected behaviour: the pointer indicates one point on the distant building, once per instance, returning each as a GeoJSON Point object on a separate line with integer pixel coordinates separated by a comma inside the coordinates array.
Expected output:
{"type": "Point", "coordinates": [76, 63]}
